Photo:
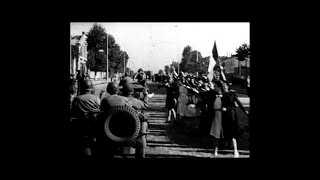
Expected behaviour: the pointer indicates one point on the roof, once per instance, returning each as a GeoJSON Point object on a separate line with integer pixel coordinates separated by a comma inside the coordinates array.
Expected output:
{"type": "Point", "coordinates": [227, 58]}
{"type": "Point", "coordinates": [78, 37]}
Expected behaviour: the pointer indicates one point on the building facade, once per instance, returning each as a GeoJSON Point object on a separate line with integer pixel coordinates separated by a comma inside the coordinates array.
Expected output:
{"type": "Point", "coordinates": [79, 62]}
{"type": "Point", "coordinates": [233, 68]}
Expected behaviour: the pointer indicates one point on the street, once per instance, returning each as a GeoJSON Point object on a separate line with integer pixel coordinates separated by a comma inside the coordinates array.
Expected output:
{"type": "Point", "coordinates": [174, 141]}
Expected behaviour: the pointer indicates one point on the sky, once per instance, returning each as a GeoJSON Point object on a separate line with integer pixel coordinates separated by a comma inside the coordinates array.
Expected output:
{"type": "Point", "coordinates": [151, 46]}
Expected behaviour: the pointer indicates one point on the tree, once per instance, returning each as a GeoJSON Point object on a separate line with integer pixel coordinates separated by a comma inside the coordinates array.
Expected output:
{"type": "Point", "coordinates": [175, 65]}
{"type": "Point", "coordinates": [243, 52]}
{"type": "Point", "coordinates": [192, 65]}
{"type": "Point", "coordinates": [185, 56]}
{"type": "Point", "coordinates": [160, 72]}
{"type": "Point", "coordinates": [97, 41]}
{"type": "Point", "coordinates": [166, 69]}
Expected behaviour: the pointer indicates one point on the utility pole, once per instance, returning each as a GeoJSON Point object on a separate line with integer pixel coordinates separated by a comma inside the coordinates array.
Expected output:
{"type": "Point", "coordinates": [107, 59]}
{"type": "Point", "coordinates": [178, 65]}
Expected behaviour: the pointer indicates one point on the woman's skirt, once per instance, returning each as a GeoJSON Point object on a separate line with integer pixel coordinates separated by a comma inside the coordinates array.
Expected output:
{"type": "Point", "coordinates": [216, 126]}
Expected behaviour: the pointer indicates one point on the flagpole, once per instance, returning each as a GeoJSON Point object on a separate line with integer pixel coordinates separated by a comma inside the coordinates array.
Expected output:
{"type": "Point", "coordinates": [178, 65]}
{"type": "Point", "coordinates": [107, 59]}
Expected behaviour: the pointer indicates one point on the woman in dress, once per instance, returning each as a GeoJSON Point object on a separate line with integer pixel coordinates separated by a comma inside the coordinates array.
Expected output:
{"type": "Point", "coordinates": [172, 96]}
{"type": "Point", "coordinates": [215, 106]}
{"type": "Point", "coordinates": [182, 99]}
{"type": "Point", "coordinates": [229, 116]}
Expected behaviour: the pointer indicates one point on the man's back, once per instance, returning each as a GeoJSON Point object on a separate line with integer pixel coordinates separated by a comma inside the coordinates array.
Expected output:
{"type": "Point", "coordinates": [137, 104]}
{"type": "Point", "coordinates": [113, 100]}
{"type": "Point", "coordinates": [85, 103]}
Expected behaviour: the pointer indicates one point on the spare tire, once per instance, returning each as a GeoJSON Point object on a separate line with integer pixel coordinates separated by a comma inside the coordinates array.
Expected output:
{"type": "Point", "coordinates": [122, 124]}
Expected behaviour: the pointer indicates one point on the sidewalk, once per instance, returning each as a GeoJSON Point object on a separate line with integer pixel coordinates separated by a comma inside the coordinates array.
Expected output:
{"type": "Point", "coordinates": [99, 81]}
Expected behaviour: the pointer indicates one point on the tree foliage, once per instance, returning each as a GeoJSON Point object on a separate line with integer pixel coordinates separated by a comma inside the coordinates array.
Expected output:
{"type": "Point", "coordinates": [192, 64]}
{"type": "Point", "coordinates": [99, 43]}
{"type": "Point", "coordinates": [175, 65]}
{"type": "Point", "coordinates": [166, 69]}
{"type": "Point", "coordinates": [160, 72]}
{"type": "Point", "coordinates": [243, 52]}
{"type": "Point", "coordinates": [185, 58]}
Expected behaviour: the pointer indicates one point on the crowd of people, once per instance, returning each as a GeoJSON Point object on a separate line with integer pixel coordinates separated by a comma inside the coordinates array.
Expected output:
{"type": "Point", "coordinates": [212, 102]}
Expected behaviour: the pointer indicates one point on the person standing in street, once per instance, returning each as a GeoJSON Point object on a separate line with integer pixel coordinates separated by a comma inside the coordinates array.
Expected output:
{"type": "Point", "coordinates": [216, 130]}
{"type": "Point", "coordinates": [172, 96]}
{"type": "Point", "coordinates": [230, 122]}
{"type": "Point", "coordinates": [182, 99]}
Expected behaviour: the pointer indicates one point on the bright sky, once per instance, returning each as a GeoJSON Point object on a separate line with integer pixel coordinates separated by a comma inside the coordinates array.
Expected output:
{"type": "Point", "coordinates": [151, 46]}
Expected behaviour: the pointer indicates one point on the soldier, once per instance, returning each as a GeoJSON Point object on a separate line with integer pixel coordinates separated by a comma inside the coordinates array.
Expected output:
{"type": "Point", "coordinates": [110, 99]}
{"type": "Point", "coordinates": [140, 106]}
{"type": "Point", "coordinates": [113, 99]}
{"type": "Point", "coordinates": [171, 98]}
{"type": "Point", "coordinates": [82, 125]}
{"type": "Point", "coordinates": [137, 104]}
{"type": "Point", "coordinates": [86, 101]}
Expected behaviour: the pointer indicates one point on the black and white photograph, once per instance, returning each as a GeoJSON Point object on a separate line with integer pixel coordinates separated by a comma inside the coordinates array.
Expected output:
{"type": "Point", "coordinates": [149, 90]}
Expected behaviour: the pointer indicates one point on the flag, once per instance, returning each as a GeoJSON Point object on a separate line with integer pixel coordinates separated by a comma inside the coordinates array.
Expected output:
{"type": "Point", "coordinates": [212, 63]}
{"type": "Point", "coordinates": [215, 52]}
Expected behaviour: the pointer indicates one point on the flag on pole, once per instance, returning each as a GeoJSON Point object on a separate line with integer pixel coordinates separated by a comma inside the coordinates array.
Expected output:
{"type": "Point", "coordinates": [215, 52]}
{"type": "Point", "coordinates": [213, 61]}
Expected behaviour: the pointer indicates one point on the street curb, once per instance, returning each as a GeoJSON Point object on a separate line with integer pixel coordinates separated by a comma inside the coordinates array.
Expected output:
{"type": "Point", "coordinates": [96, 84]}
